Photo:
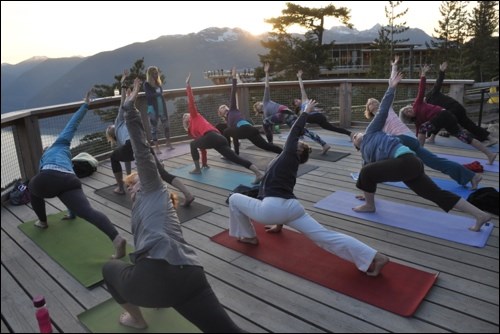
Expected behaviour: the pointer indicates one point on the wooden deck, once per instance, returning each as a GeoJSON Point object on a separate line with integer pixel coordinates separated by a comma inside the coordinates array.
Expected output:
{"type": "Point", "coordinates": [259, 297]}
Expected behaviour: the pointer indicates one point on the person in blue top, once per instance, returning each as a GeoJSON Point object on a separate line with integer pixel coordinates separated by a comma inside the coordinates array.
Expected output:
{"type": "Point", "coordinates": [275, 113]}
{"type": "Point", "coordinates": [240, 128]}
{"type": "Point", "coordinates": [118, 134]}
{"type": "Point", "coordinates": [277, 205]}
{"type": "Point", "coordinates": [57, 178]}
{"type": "Point", "coordinates": [165, 270]}
{"type": "Point", "coordinates": [157, 108]}
{"type": "Point", "coordinates": [386, 159]}
{"type": "Point", "coordinates": [315, 117]}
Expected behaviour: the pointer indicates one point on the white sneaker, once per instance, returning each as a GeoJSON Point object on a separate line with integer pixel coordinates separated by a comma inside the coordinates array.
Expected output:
{"type": "Point", "coordinates": [40, 224]}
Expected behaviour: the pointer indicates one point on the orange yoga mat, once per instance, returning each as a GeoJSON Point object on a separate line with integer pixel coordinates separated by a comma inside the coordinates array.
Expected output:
{"type": "Point", "coordinates": [399, 289]}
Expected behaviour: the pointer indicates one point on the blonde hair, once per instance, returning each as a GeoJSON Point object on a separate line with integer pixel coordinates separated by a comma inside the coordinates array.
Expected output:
{"type": "Point", "coordinates": [368, 113]}
{"type": "Point", "coordinates": [149, 76]}
{"type": "Point", "coordinates": [185, 121]}
{"type": "Point", "coordinates": [133, 178]}
{"type": "Point", "coordinates": [257, 107]}
{"type": "Point", "coordinates": [222, 111]}
{"type": "Point", "coordinates": [111, 134]}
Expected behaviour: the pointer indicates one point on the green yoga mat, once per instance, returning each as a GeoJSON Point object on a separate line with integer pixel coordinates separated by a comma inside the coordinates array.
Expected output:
{"type": "Point", "coordinates": [194, 210]}
{"type": "Point", "coordinates": [76, 245]}
{"type": "Point", "coordinates": [103, 318]}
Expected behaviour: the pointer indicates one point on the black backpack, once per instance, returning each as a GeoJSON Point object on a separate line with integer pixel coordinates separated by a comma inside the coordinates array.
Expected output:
{"type": "Point", "coordinates": [252, 191]}
{"type": "Point", "coordinates": [485, 199]}
{"type": "Point", "coordinates": [84, 164]}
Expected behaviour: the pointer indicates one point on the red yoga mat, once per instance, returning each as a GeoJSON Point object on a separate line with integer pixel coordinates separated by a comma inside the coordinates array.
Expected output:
{"type": "Point", "coordinates": [399, 289]}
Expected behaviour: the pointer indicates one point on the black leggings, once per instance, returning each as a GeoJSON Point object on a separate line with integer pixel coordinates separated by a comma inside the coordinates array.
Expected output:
{"type": "Point", "coordinates": [320, 119]}
{"type": "Point", "coordinates": [68, 188]}
{"type": "Point", "coordinates": [215, 140]}
{"type": "Point", "coordinates": [157, 284]}
{"type": "Point", "coordinates": [125, 153]}
{"type": "Point", "coordinates": [252, 134]}
{"type": "Point", "coordinates": [460, 113]}
{"type": "Point", "coordinates": [447, 120]}
{"type": "Point", "coordinates": [409, 169]}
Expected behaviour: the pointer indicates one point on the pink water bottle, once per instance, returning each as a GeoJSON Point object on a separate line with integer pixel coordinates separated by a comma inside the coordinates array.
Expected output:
{"type": "Point", "coordinates": [42, 315]}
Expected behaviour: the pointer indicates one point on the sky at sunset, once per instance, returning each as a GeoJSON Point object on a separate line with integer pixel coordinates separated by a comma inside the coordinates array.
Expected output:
{"type": "Point", "coordinates": [84, 28]}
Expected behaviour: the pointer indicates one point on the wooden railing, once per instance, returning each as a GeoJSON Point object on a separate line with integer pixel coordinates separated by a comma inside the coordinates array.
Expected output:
{"type": "Point", "coordinates": [343, 101]}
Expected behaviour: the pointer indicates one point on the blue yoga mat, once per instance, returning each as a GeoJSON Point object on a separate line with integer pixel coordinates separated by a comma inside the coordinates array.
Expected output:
{"type": "Point", "coordinates": [454, 142]}
{"type": "Point", "coordinates": [217, 177]}
{"type": "Point", "coordinates": [466, 160]}
{"type": "Point", "coordinates": [445, 184]}
{"type": "Point", "coordinates": [342, 140]}
{"type": "Point", "coordinates": [437, 224]}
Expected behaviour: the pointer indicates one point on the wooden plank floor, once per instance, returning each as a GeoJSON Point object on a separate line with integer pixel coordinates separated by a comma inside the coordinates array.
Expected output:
{"type": "Point", "coordinates": [260, 297]}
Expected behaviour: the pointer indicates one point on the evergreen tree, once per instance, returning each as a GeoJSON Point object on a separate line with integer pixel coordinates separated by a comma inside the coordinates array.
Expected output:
{"type": "Point", "coordinates": [450, 38]}
{"type": "Point", "coordinates": [395, 28]}
{"type": "Point", "coordinates": [288, 53]}
{"type": "Point", "coordinates": [482, 49]}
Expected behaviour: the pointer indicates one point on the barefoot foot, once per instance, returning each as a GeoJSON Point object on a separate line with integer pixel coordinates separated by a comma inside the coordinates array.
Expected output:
{"type": "Point", "coordinates": [252, 241]}
{"type": "Point", "coordinates": [120, 247]}
{"type": "Point", "coordinates": [379, 261]}
{"type": "Point", "coordinates": [480, 222]}
{"type": "Point", "coordinates": [127, 320]}
{"type": "Point", "coordinates": [326, 147]}
{"type": "Point", "coordinates": [491, 158]}
{"type": "Point", "coordinates": [187, 202]}
{"type": "Point", "coordinates": [364, 208]}
{"type": "Point", "coordinates": [119, 191]}
{"type": "Point", "coordinates": [195, 171]}
{"type": "Point", "coordinates": [475, 181]}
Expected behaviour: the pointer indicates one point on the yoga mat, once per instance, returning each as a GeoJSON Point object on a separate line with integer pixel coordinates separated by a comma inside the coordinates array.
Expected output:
{"type": "Point", "coordinates": [455, 143]}
{"type": "Point", "coordinates": [398, 288]}
{"type": "Point", "coordinates": [342, 140]}
{"type": "Point", "coordinates": [445, 184]}
{"type": "Point", "coordinates": [214, 176]}
{"type": "Point", "coordinates": [466, 160]}
{"type": "Point", "coordinates": [184, 214]}
{"type": "Point", "coordinates": [104, 317]}
{"type": "Point", "coordinates": [180, 149]}
{"type": "Point", "coordinates": [76, 245]}
{"type": "Point", "coordinates": [259, 161]}
{"type": "Point", "coordinates": [329, 156]}
{"type": "Point", "coordinates": [437, 224]}
{"type": "Point", "coordinates": [263, 162]}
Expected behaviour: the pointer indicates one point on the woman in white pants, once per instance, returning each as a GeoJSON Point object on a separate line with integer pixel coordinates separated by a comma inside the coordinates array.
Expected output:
{"type": "Point", "coordinates": [277, 205]}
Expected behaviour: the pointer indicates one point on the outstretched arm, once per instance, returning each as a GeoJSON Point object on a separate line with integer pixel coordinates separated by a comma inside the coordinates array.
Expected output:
{"type": "Point", "coordinates": [233, 105]}
{"type": "Point", "coordinates": [124, 93]}
{"type": "Point", "coordinates": [193, 111]}
{"type": "Point", "coordinates": [394, 64]}
{"type": "Point", "coordinates": [303, 94]}
{"type": "Point", "coordinates": [267, 89]}
{"type": "Point", "coordinates": [66, 135]}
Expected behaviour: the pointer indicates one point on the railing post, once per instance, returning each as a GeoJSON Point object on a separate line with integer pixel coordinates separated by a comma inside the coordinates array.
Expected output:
{"type": "Point", "coordinates": [345, 104]}
{"type": "Point", "coordinates": [457, 92]}
{"type": "Point", "coordinates": [242, 99]}
{"type": "Point", "coordinates": [28, 141]}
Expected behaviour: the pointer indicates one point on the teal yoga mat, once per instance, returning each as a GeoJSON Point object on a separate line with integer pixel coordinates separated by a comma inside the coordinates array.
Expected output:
{"type": "Point", "coordinates": [445, 184]}
{"type": "Point", "coordinates": [342, 140]}
{"type": "Point", "coordinates": [214, 176]}
{"type": "Point", "coordinates": [437, 224]}
{"type": "Point", "coordinates": [104, 317]}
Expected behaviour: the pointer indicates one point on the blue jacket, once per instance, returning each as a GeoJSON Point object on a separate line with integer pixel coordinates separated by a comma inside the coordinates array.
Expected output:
{"type": "Point", "coordinates": [59, 153]}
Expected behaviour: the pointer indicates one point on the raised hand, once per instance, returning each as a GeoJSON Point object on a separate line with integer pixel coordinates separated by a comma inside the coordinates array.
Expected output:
{"type": "Point", "coordinates": [266, 67]}
{"type": "Point", "coordinates": [233, 72]}
{"type": "Point", "coordinates": [299, 74]}
{"type": "Point", "coordinates": [443, 66]}
{"type": "Point", "coordinates": [393, 82]}
{"type": "Point", "coordinates": [396, 59]}
{"type": "Point", "coordinates": [188, 78]}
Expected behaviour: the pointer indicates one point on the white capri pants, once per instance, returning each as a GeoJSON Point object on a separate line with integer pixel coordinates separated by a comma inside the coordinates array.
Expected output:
{"type": "Point", "coordinates": [276, 210]}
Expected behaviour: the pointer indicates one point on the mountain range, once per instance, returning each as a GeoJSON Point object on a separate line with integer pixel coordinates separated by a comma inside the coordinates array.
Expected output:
{"type": "Point", "coordinates": [42, 81]}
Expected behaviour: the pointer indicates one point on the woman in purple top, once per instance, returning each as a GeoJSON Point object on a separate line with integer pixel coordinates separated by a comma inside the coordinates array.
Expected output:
{"type": "Point", "coordinates": [275, 113]}
{"type": "Point", "coordinates": [239, 128]}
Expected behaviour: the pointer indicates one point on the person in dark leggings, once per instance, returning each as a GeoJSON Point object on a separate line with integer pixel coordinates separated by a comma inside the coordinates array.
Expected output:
{"type": "Point", "coordinates": [240, 128]}
{"type": "Point", "coordinates": [274, 113]}
{"type": "Point", "coordinates": [165, 270]}
{"type": "Point", "coordinates": [436, 97]}
{"type": "Point", "coordinates": [118, 134]}
{"type": "Point", "coordinates": [206, 136]}
{"type": "Point", "coordinates": [315, 117]}
{"type": "Point", "coordinates": [429, 119]}
{"type": "Point", "coordinates": [56, 178]}
{"type": "Point", "coordinates": [387, 160]}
